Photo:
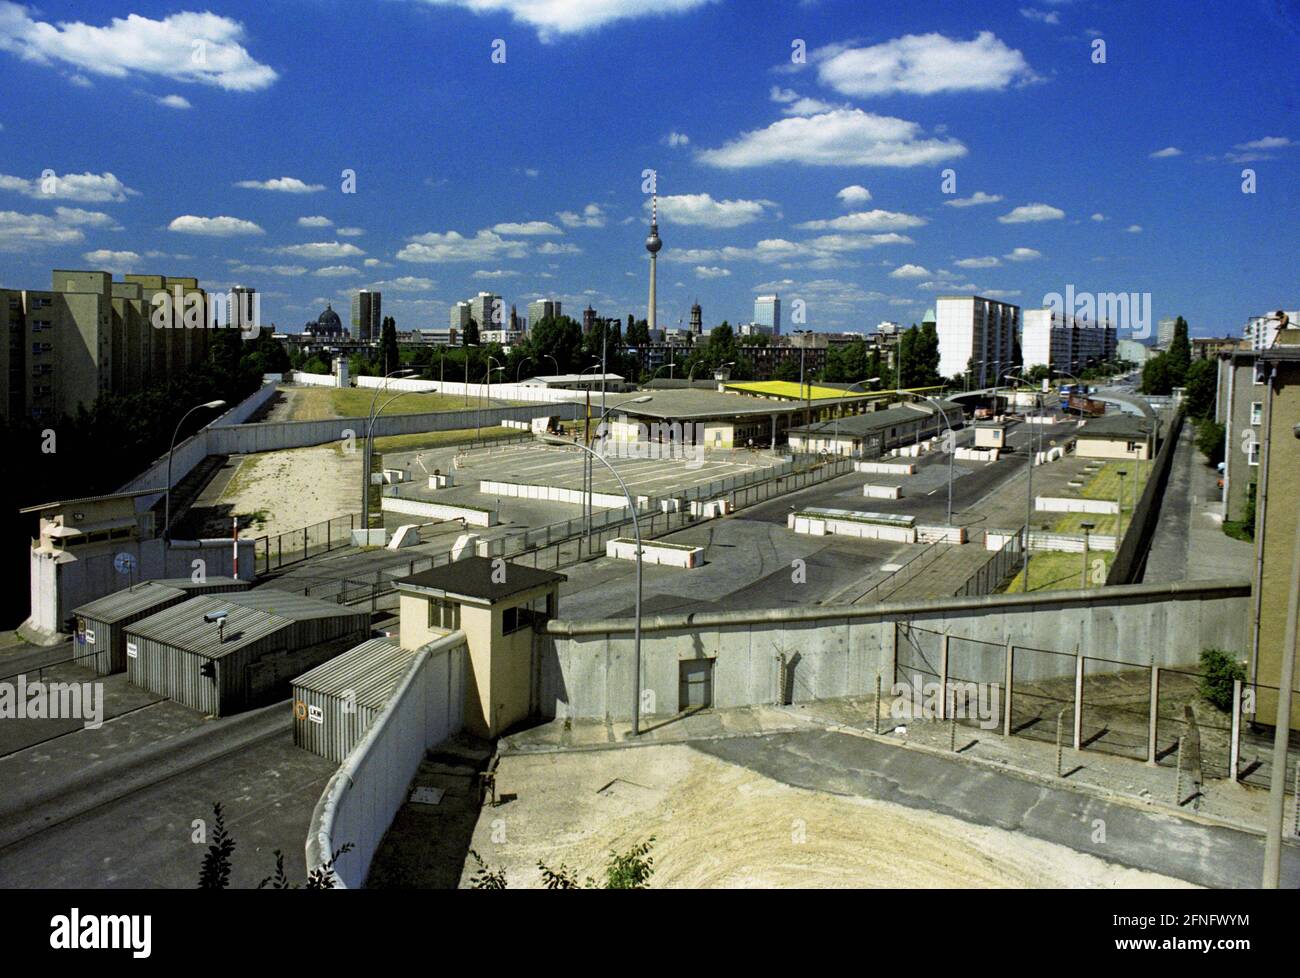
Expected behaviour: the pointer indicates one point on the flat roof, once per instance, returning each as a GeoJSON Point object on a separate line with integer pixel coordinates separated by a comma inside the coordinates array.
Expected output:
{"type": "Point", "coordinates": [1115, 426]}
{"type": "Point", "coordinates": [863, 424]}
{"type": "Point", "coordinates": [787, 389]}
{"type": "Point", "coordinates": [570, 378]}
{"type": "Point", "coordinates": [121, 604]}
{"type": "Point", "coordinates": [472, 577]}
{"type": "Point", "coordinates": [81, 500]}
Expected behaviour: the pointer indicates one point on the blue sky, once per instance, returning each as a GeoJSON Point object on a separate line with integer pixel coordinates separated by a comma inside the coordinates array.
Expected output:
{"type": "Point", "coordinates": [171, 129]}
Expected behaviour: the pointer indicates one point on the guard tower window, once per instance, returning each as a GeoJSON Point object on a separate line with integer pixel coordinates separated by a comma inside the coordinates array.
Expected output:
{"type": "Point", "coordinates": [444, 614]}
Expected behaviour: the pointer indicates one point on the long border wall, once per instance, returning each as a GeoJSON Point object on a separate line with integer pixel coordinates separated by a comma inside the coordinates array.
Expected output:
{"type": "Point", "coordinates": [1131, 557]}
{"type": "Point", "coordinates": [365, 793]}
{"type": "Point", "coordinates": [586, 666]}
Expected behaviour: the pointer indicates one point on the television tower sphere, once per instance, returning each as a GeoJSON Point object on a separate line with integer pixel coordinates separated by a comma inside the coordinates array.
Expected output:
{"type": "Point", "coordinates": [652, 241]}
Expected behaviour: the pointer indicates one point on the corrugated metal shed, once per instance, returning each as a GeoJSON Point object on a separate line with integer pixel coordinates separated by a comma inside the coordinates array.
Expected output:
{"type": "Point", "coordinates": [335, 703]}
{"type": "Point", "coordinates": [106, 619]}
{"type": "Point", "coordinates": [267, 637]}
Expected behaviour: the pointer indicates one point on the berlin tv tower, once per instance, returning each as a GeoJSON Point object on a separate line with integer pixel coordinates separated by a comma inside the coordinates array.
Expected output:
{"type": "Point", "coordinates": [652, 245]}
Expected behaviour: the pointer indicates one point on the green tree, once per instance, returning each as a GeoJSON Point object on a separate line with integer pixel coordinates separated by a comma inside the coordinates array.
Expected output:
{"type": "Point", "coordinates": [390, 357]}
{"type": "Point", "coordinates": [1209, 439]}
{"type": "Point", "coordinates": [1179, 354]}
{"type": "Point", "coordinates": [1202, 382]}
{"type": "Point", "coordinates": [1157, 378]}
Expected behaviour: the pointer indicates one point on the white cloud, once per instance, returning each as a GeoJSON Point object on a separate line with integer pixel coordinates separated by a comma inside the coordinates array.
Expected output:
{"type": "Point", "coordinates": [552, 248]}
{"type": "Point", "coordinates": [405, 283]}
{"type": "Point", "coordinates": [974, 200]}
{"type": "Point", "coordinates": [20, 232]}
{"type": "Point", "coordinates": [526, 228]}
{"type": "Point", "coordinates": [288, 271]}
{"type": "Point", "coordinates": [1028, 213]}
{"type": "Point", "coordinates": [1267, 142]}
{"type": "Point", "coordinates": [498, 273]}
{"type": "Point", "coordinates": [351, 232]}
{"type": "Point", "coordinates": [188, 47]}
{"type": "Point", "coordinates": [453, 246]}
{"type": "Point", "coordinates": [854, 194]}
{"type": "Point", "coordinates": [1099, 216]}
{"type": "Point", "coordinates": [551, 18]}
{"type": "Point", "coordinates": [1134, 229]}
{"type": "Point", "coordinates": [86, 188]}
{"type": "Point", "coordinates": [372, 263]}
{"type": "Point", "coordinates": [1000, 293]}
{"type": "Point", "coordinates": [112, 261]}
{"type": "Point", "coordinates": [174, 101]}
{"type": "Point", "coordinates": [987, 262]}
{"type": "Point", "coordinates": [335, 271]}
{"type": "Point", "coordinates": [76, 217]}
{"type": "Point", "coordinates": [1022, 254]}
{"type": "Point", "coordinates": [703, 210]}
{"type": "Point", "coordinates": [711, 271]}
{"type": "Point", "coordinates": [284, 185]}
{"type": "Point", "coordinates": [220, 227]}
{"type": "Point", "coordinates": [825, 251]}
{"type": "Point", "coordinates": [591, 217]}
{"type": "Point", "coordinates": [314, 222]}
{"type": "Point", "coordinates": [874, 220]}
{"type": "Point", "coordinates": [910, 271]}
{"type": "Point", "coordinates": [795, 104]}
{"type": "Point", "coordinates": [1042, 16]}
{"type": "Point", "coordinates": [321, 250]}
{"type": "Point", "coordinates": [947, 285]}
{"type": "Point", "coordinates": [842, 137]}
{"type": "Point", "coordinates": [676, 139]}
{"type": "Point", "coordinates": [1167, 152]}
{"type": "Point", "coordinates": [922, 64]}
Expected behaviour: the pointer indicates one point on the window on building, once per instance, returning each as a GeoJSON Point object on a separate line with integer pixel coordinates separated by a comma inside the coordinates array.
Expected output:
{"type": "Point", "coordinates": [526, 615]}
{"type": "Point", "coordinates": [1256, 412]}
{"type": "Point", "coordinates": [1252, 452]}
{"type": "Point", "coordinates": [444, 613]}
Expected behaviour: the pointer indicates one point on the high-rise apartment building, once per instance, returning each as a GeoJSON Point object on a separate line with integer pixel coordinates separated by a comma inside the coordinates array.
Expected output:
{"type": "Point", "coordinates": [542, 308]}
{"type": "Point", "coordinates": [488, 310]}
{"type": "Point", "coordinates": [88, 335]}
{"type": "Point", "coordinates": [1064, 343]}
{"type": "Point", "coordinates": [367, 315]}
{"type": "Point", "coordinates": [1165, 332]}
{"type": "Point", "coordinates": [459, 318]}
{"type": "Point", "coordinates": [767, 312]}
{"type": "Point", "coordinates": [976, 335]}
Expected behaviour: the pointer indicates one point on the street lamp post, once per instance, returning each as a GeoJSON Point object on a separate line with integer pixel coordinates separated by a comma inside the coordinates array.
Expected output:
{"type": "Point", "coordinates": [367, 449]}
{"type": "Point", "coordinates": [485, 395]}
{"type": "Point", "coordinates": [1086, 526]}
{"type": "Point", "coordinates": [952, 453]}
{"type": "Point", "coordinates": [588, 476]}
{"type": "Point", "coordinates": [1119, 514]}
{"type": "Point", "coordinates": [520, 368]}
{"type": "Point", "coordinates": [167, 504]}
{"type": "Point", "coordinates": [636, 530]}
{"type": "Point", "coordinates": [1029, 484]}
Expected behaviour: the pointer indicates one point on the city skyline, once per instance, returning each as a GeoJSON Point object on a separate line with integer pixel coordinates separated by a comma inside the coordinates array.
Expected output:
{"type": "Point", "coordinates": [821, 181]}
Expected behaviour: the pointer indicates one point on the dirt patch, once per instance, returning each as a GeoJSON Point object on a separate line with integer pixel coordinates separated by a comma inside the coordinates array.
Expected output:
{"type": "Point", "coordinates": [721, 825]}
{"type": "Point", "coordinates": [282, 491]}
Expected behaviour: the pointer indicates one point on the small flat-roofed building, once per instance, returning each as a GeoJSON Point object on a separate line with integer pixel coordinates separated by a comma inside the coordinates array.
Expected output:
{"type": "Point", "coordinates": [497, 605]}
{"type": "Point", "coordinates": [1115, 436]}
{"type": "Point", "coordinates": [578, 382]}
{"type": "Point", "coordinates": [100, 630]}
{"type": "Point", "coordinates": [335, 703]}
{"type": "Point", "coordinates": [872, 434]}
{"type": "Point", "coordinates": [224, 653]}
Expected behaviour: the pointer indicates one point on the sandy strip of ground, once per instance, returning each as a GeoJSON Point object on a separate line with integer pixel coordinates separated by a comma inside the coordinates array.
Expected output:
{"type": "Point", "coordinates": [296, 488]}
{"type": "Point", "coordinates": [721, 825]}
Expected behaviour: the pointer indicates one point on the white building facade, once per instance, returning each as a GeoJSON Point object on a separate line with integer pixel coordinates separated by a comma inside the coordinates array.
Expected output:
{"type": "Point", "coordinates": [976, 334]}
{"type": "Point", "coordinates": [1064, 343]}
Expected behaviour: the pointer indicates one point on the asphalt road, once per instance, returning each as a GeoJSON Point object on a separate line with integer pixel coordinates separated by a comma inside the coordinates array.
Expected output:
{"type": "Point", "coordinates": [844, 764]}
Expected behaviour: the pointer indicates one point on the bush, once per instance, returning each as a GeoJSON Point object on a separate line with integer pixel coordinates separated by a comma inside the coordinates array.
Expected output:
{"type": "Point", "coordinates": [1218, 671]}
{"type": "Point", "coordinates": [1209, 440]}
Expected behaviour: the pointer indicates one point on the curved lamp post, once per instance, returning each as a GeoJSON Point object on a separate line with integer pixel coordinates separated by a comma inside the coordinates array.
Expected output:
{"type": "Point", "coordinates": [1029, 485]}
{"type": "Point", "coordinates": [952, 455]}
{"type": "Point", "coordinates": [636, 530]}
{"type": "Point", "coordinates": [167, 505]}
{"type": "Point", "coordinates": [519, 369]}
{"type": "Point", "coordinates": [587, 476]}
{"type": "Point", "coordinates": [367, 450]}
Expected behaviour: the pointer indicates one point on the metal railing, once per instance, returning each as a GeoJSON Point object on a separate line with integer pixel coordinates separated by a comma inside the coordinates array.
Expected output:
{"type": "Point", "coordinates": [273, 551]}
{"type": "Point", "coordinates": [994, 571]}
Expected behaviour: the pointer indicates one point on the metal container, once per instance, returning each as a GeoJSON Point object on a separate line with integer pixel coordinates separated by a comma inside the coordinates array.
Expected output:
{"type": "Point", "coordinates": [335, 703]}
{"type": "Point", "coordinates": [222, 654]}
{"type": "Point", "coordinates": [99, 641]}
